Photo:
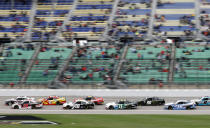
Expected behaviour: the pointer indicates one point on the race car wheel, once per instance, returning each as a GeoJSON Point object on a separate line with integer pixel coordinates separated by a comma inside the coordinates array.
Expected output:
{"type": "Point", "coordinates": [187, 107]}
{"type": "Point", "coordinates": [84, 107]}
{"type": "Point", "coordinates": [196, 103]}
{"type": "Point", "coordinates": [68, 107]}
{"type": "Point", "coordinates": [111, 107]}
{"type": "Point", "coordinates": [33, 107]}
{"type": "Point", "coordinates": [170, 108]}
{"type": "Point", "coordinates": [161, 103]}
{"type": "Point", "coordinates": [58, 103]}
{"type": "Point", "coordinates": [129, 107]}
{"type": "Point", "coordinates": [96, 103]}
{"type": "Point", "coordinates": [142, 103]}
{"type": "Point", "coordinates": [205, 102]}
{"type": "Point", "coordinates": [16, 107]}
{"type": "Point", "coordinates": [90, 107]}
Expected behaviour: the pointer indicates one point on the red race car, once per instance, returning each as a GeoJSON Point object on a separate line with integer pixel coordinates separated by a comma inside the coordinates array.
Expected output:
{"type": "Point", "coordinates": [96, 100]}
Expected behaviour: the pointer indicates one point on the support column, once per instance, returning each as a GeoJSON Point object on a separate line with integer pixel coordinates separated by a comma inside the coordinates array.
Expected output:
{"type": "Point", "coordinates": [152, 19]}
{"type": "Point", "coordinates": [31, 22]}
{"type": "Point", "coordinates": [64, 67]}
{"type": "Point", "coordinates": [111, 18]}
{"type": "Point", "coordinates": [30, 65]}
{"type": "Point", "coordinates": [172, 64]}
{"type": "Point", "coordinates": [65, 22]}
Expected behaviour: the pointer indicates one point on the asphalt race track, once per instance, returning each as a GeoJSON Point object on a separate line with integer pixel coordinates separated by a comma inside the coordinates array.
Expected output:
{"type": "Point", "coordinates": [100, 109]}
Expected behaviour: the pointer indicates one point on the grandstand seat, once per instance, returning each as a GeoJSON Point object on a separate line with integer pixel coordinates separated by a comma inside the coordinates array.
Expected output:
{"type": "Point", "coordinates": [92, 65]}
{"type": "Point", "coordinates": [14, 63]}
{"type": "Point", "coordinates": [48, 63]}
{"type": "Point", "coordinates": [146, 65]}
{"type": "Point", "coordinates": [192, 65]}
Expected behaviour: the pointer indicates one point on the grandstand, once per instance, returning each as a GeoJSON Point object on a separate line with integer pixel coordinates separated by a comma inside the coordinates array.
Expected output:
{"type": "Point", "coordinates": [113, 43]}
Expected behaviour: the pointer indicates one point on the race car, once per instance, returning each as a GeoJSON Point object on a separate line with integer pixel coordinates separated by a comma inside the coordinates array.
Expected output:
{"type": "Point", "coordinates": [18, 99]}
{"type": "Point", "coordinates": [27, 105]}
{"type": "Point", "coordinates": [151, 101]}
{"type": "Point", "coordinates": [96, 100]}
{"type": "Point", "coordinates": [203, 101]}
{"type": "Point", "coordinates": [180, 105]}
{"type": "Point", "coordinates": [121, 104]}
{"type": "Point", "coordinates": [79, 104]}
{"type": "Point", "coordinates": [53, 100]}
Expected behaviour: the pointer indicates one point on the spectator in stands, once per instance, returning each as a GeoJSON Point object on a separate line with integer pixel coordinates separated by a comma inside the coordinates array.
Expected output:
{"type": "Point", "coordinates": [45, 72]}
{"type": "Point", "coordinates": [9, 54]}
{"type": "Point", "coordinates": [23, 61]}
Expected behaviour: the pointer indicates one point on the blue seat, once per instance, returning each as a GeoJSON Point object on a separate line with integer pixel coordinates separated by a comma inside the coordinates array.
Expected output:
{"type": "Point", "coordinates": [180, 5]}
{"type": "Point", "coordinates": [136, 11]}
{"type": "Point", "coordinates": [89, 18]}
{"type": "Point", "coordinates": [94, 7]}
{"type": "Point", "coordinates": [176, 16]}
{"type": "Point", "coordinates": [175, 28]}
{"type": "Point", "coordinates": [131, 23]}
{"type": "Point", "coordinates": [87, 29]}
{"type": "Point", "coordinates": [207, 10]}
{"type": "Point", "coordinates": [135, 1]}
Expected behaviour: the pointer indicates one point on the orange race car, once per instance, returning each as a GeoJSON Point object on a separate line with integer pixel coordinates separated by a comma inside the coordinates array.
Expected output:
{"type": "Point", "coordinates": [53, 100]}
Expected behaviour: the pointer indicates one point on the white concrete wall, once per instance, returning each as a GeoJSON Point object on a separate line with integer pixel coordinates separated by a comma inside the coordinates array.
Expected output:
{"type": "Point", "coordinates": [107, 92]}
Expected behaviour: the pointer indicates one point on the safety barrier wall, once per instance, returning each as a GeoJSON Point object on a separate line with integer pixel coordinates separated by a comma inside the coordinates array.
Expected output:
{"type": "Point", "coordinates": [108, 92]}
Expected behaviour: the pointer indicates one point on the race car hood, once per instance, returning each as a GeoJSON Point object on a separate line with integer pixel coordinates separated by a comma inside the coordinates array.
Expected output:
{"type": "Point", "coordinates": [11, 99]}
{"type": "Point", "coordinates": [66, 104]}
{"type": "Point", "coordinates": [42, 99]}
{"type": "Point", "coordinates": [111, 103]}
{"type": "Point", "coordinates": [169, 104]}
{"type": "Point", "coordinates": [99, 99]}
{"type": "Point", "coordinates": [191, 103]}
{"type": "Point", "coordinates": [195, 100]}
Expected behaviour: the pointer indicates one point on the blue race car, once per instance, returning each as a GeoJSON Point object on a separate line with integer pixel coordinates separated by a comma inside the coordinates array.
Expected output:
{"type": "Point", "coordinates": [180, 105]}
{"type": "Point", "coordinates": [203, 101]}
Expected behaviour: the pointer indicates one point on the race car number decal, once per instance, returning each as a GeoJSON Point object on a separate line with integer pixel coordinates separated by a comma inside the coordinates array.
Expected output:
{"type": "Point", "coordinates": [149, 102]}
{"type": "Point", "coordinates": [77, 105]}
{"type": "Point", "coordinates": [25, 105]}
{"type": "Point", "coordinates": [120, 106]}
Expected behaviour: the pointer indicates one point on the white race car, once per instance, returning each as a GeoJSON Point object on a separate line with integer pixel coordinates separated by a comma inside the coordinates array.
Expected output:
{"type": "Point", "coordinates": [79, 104]}
{"type": "Point", "coordinates": [19, 99]}
{"type": "Point", "coordinates": [27, 104]}
{"type": "Point", "coordinates": [121, 104]}
{"type": "Point", "coordinates": [203, 101]}
{"type": "Point", "coordinates": [180, 105]}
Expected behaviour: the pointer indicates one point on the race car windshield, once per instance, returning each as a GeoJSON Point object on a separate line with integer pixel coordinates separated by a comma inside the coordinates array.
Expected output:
{"type": "Point", "coordinates": [51, 98]}
{"type": "Point", "coordinates": [144, 99]}
{"type": "Point", "coordinates": [88, 98]}
{"type": "Point", "coordinates": [20, 98]}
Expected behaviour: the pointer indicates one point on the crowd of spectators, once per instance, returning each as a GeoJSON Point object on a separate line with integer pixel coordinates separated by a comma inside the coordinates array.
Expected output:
{"type": "Point", "coordinates": [92, 63]}
{"type": "Point", "coordinates": [138, 28]}
{"type": "Point", "coordinates": [184, 20]}
{"type": "Point", "coordinates": [205, 23]}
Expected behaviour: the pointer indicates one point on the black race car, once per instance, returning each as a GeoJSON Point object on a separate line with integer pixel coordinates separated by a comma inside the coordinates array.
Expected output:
{"type": "Point", "coordinates": [121, 104]}
{"type": "Point", "coordinates": [151, 101]}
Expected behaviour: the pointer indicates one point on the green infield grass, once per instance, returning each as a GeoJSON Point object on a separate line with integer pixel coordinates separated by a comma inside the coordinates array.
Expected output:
{"type": "Point", "coordinates": [120, 121]}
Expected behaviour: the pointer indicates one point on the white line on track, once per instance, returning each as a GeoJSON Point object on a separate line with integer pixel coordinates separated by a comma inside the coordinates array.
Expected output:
{"type": "Point", "coordinates": [176, 112]}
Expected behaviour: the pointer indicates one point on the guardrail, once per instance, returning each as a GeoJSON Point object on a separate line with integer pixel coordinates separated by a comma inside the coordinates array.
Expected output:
{"type": "Point", "coordinates": [107, 92]}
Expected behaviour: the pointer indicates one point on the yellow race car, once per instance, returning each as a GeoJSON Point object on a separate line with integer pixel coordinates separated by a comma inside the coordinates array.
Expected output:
{"type": "Point", "coordinates": [53, 100]}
